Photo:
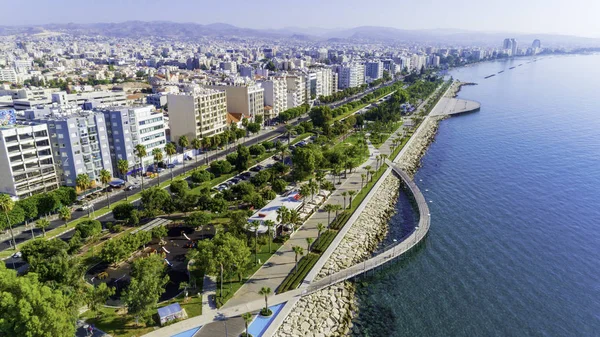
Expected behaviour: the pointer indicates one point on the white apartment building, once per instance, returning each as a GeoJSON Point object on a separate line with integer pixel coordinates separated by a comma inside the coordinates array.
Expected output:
{"type": "Point", "coordinates": [8, 75]}
{"type": "Point", "coordinates": [373, 70]}
{"type": "Point", "coordinates": [197, 112]}
{"type": "Point", "coordinates": [275, 96]}
{"type": "Point", "coordinates": [351, 75]}
{"type": "Point", "coordinates": [26, 162]}
{"type": "Point", "coordinates": [113, 98]}
{"type": "Point", "coordinates": [130, 126]}
{"type": "Point", "coordinates": [245, 99]}
{"type": "Point", "coordinates": [296, 91]}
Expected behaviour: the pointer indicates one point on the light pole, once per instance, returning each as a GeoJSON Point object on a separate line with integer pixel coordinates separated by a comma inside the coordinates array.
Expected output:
{"type": "Point", "coordinates": [416, 231]}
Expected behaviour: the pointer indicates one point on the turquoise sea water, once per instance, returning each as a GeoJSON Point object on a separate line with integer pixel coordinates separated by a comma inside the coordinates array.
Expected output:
{"type": "Point", "coordinates": [514, 245]}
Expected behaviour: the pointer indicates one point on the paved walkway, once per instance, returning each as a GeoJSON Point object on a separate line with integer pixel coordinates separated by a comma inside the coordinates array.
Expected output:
{"type": "Point", "coordinates": [454, 106]}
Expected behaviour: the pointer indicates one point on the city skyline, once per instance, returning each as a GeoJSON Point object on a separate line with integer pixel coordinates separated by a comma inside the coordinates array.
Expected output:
{"type": "Point", "coordinates": [496, 17]}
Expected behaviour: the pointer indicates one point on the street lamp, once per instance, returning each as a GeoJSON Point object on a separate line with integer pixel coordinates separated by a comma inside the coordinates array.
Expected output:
{"type": "Point", "coordinates": [416, 231]}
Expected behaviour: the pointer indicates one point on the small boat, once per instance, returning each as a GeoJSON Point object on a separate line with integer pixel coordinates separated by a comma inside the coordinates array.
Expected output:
{"type": "Point", "coordinates": [520, 64]}
{"type": "Point", "coordinates": [492, 75]}
{"type": "Point", "coordinates": [512, 68]}
{"type": "Point", "coordinates": [501, 71]}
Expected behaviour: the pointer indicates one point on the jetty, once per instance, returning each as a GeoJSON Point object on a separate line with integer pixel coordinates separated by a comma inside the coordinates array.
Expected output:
{"type": "Point", "coordinates": [449, 106]}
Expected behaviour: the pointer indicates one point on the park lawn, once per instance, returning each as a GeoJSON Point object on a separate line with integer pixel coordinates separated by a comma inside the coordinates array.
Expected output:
{"type": "Point", "coordinates": [230, 287]}
{"type": "Point", "coordinates": [377, 142]}
{"type": "Point", "coordinates": [116, 324]}
{"type": "Point", "coordinates": [351, 112]}
{"type": "Point", "coordinates": [353, 140]}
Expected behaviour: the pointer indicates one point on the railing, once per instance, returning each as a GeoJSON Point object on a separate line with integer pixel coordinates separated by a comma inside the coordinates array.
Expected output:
{"type": "Point", "coordinates": [391, 252]}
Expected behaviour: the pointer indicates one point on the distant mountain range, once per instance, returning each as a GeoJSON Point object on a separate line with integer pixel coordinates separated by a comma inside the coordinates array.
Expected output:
{"type": "Point", "coordinates": [367, 34]}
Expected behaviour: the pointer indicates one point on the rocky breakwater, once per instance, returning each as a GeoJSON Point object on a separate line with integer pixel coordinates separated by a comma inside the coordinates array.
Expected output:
{"type": "Point", "coordinates": [329, 312]}
{"type": "Point", "coordinates": [410, 161]}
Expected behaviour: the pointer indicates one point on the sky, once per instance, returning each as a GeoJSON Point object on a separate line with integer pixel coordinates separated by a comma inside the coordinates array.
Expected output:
{"type": "Point", "coordinates": [573, 17]}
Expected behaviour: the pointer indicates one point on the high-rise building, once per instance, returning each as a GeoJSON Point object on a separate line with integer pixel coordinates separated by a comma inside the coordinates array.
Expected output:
{"type": "Point", "coordinates": [296, 90]}
{"type": "Point", "coordinates": [26, 161]}
{"type": "Point", "coordinates": [507, 44]}
{"type": "Point", "coordinates": [536, 44]}
{"type": "Point", "coordinates": [373, 70]}
{"type": "Point", "coordinates": [351, 75]}
{"type": "Point", "coordinates": [275, 96]}
{"type": "Point", "coordinates": [128, 127]}
{"type": "Point", "coordinates": [197, 112]}
{"type": "Point", "coordinates": [514, 47]}
{"type": "Point", "coordinates": [79, 141]}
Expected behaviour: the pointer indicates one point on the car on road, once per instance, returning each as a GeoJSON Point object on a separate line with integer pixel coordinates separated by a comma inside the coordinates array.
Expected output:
{"type": "Point", "coordinates": [170, 165]}
{"type": "Point", "coordinates": [131, 187]}
{"type": "Point", "coordinates": [17, 255]}
{"type": "Point", "coordinates": [83, 207]}
{"type": "Point", "coordinates": [256, 168]}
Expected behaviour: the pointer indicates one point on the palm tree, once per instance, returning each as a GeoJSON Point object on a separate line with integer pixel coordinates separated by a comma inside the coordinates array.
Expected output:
{"type": "Point", "coordinates": [140, 152]}
{"type": "Point", "coordinates": [328, 208]}
{"type": "Point", "coordinates": [336, 172]}
{"type": "Point", "coordinates": [82, 181]}
{"type": "Point", "coordinates": [320, 228]}
{"type": "Point", "coordinates": [304, 192]}
{"type": "Point", "coordinates": [337, 208]}
{"type": "Point", "coordinates": [184, 143]}
{"type": "Point", "coordinates": [65, 214]}
{"type": "Point", "coordinates": [158, 158]}
{"type": "Point", "coordinates": [344, 194]}
{"type": "Point", "coordinates": [309, 242]}
{"type": "Point", "coordinates": [368, 169]}
{"type": "Point", "coordinates": [254, 227]}
{"type": "Point", "coordinates": [350, 165]}
{"type": "Point", "coordinates": [197, 145]}
{"type": "Point", "coordinates": [289, 132]}
{"type": "Point", "coordinates": [283, 215]}
{"type": "Point", "coordinates": [184, 286]}
{"type": "Point", "coordinates": [320, 176]}
{"type": "Point", "coordinates": [105, 178]}
{"type": "Point", "coordinates": [42, 224]}
{"type": "Point", "coordinates": [270, 224]}
{"type": "Point", "coordinates": [247, 320]}
{"type": "Point", "coordinates": [294, 219]}
{"type": "Point", "coordinates": [265, 291]}
{"type": "Point", "coordinates": [314, 188]}
{"type": "Point", "coordinates": [351, 193]}
{"type": "Point", "coordinates": [362, 180]}
{"type": "Point", "coordinates": [123, 167]}
{"type": "Point", "coordinates": [206, 144]}
{"type": "Point", "coordinates": [371, 172]}
{"type": "Point", "coordinates": [171, 150]}
{"type": "Point", "coordinates": [297, 251]}
{"type": "Point", "coordinates": [7, 205]}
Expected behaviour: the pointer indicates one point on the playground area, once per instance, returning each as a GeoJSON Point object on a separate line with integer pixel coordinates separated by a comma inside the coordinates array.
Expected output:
{"type": "Point", "coordinates": [173, 248]}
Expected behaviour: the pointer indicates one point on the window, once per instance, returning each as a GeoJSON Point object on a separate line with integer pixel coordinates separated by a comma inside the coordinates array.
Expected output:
{"type": "Point", "coordinates": [60, 136]}
{"type": "Point", "coordinates": [58, 126]}
{"type": "Point", "coordinates": [69, 181]}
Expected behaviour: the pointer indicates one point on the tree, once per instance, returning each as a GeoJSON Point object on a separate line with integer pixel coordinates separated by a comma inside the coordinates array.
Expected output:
{"type": "Point", "coordinates": [123, 211]}
{"type": "Point", "coordinates": [89, 228]}
{"type": "Point", "coordinates": [309, 242]}
{"type": "Point", "coordinates": [265, 291]}
{"type": "Point", "coordinates": [98, 296]}
{"type": "Point", "coordinates": [47, 203]}
{"type": "Point", "coordinates": [253, 127]}
{"type": "Point", "coordinates": [283, 215]}
{"type": "Point", "coordinates": [105, 178]}
{"type": "Point", "coordinates": [344, 194]}
{"type": "Point", "coordinates": [337, 208]}
{"type": "Point", "coordinates": [183, 142]}
{"type": "Point", "coordinates": [247, 317]}
{"type": "Point", "coordinates": [82, 181]}
{"type": "Point", "coordinates": [328, 208]}
{"type": "Point", "coordinates": [289, 132]}
{"type": "Point", "coordinates": [280, 185]}
{"type": "Point", "coordinates": [146, 286]}
{"type": "Point", "coordinates": [140, 152]}
{"type": "Point", "coordinates": [197, 145]}
{"type": "Point", "coordinates": [179, 188]}
{"type": "Point", "coordinates": [29, 206]}
{"type": "Point", "coordinates": [351, 193]}
{"type": "Point", "coordinates": [254, 226]}
{"type": "Point", "coordinates": [184, 286]}
{"type": "Point", "coordinates": [297, 251]}
{"type": "Point", "coordinates": [6, 206]}
{"type": "Point", "coordinates": [257, 150]}
{"type": "Point", "coordinates": [159, 232]}
{"type": "Point", "coordinates": [200, 177]}
{"type": "Point", "coordinates": [170, 150]}
{"type": "Point", "coordinates": [28, 307]}
{"type": "Point", "coordinates": [206, 144]}
{"type": "Point", "coordinates": [157, 155]}
{"type": "Point", "coordinates": [220, 167]}
{"type": "Point", "coordinates": [261, 178]}
{"type": "Point", "coordinates": [270, 224]}
{"type": "Point", "coordinates": [198, 219]}
{"type": "Point", "coordinates": [320, 228]}
{"type": "Point", "coordinates": [304, 192]}
{"type": "Point", "coordinates": [123, 167]}
{"type": "Point", "coordinates": [42, 224]}
{"type": "Point", "coordinates": [155, 199]}
{"type": "Point", "coordinates": [243, 156]}
{"type": "Point", "coordinates": [51, 261]}
{"type": "Point", "coordinates": [294, 219]}
{"type": "Point", "coordinates": [362, 180]}
{"type": "Point", "coordinates": [65, 214]}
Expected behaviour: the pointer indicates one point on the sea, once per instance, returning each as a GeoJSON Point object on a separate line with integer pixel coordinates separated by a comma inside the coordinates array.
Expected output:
{"type": "Point", "coordinates": [514, 195]}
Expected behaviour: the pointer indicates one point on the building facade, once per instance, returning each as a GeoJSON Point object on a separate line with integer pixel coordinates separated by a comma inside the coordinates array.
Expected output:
{"type": "Point", "coordinates": [197, 112]}
{"type": "Point", "coordinates": [275, 96]}
{"type": "Point", "coordinates": [351, 75]}
{"type": "Point", "coordinates": [247, 100]}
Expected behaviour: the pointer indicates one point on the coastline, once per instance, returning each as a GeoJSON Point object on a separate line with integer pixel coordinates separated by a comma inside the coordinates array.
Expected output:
{"type": "Point", "coordinates": [330, 311]}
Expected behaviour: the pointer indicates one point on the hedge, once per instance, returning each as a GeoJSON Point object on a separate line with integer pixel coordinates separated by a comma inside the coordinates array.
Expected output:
{"type": "Point", "coordinates": [324, 241]}
{"type": "Point", "coordinates": [292, 281]}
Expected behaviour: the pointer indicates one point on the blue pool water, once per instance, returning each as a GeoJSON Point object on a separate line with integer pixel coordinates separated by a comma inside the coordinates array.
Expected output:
{"type": "Point", "coordinates": [260, 324]}
{"type": "Point", "coordinates": [514, 245]}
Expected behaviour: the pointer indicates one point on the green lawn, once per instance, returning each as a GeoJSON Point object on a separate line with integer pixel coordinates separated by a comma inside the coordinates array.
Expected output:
{"type": "Point", "coordinates": [383, 137]}
{"type": "Point", "coordinates": [231, 286]}
{"type": "Point", "coordinates": [353, 140]}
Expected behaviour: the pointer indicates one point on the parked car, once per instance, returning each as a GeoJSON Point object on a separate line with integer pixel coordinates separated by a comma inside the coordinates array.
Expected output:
{"type": "Point", "coordinates": [83, 207]}
{"type": "Point", "coordinates": [170, 166]}
{"type": "Point", "coordinates": [131, 187]}
{"type": "Point", "coordinates": [236, 180]}
{"type": "Point", "coordinates": [256, 168]}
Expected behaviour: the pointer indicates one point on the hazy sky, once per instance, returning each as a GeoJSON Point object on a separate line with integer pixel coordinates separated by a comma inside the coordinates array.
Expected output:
{"type": "Point", "coordinates": [572, 17]}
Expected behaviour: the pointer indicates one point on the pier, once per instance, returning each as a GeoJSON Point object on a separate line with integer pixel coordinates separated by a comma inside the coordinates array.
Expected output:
{"type": "Point", "coordinates": [448, 106]}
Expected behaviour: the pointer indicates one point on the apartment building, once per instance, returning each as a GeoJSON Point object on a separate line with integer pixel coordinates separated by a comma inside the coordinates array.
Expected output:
{"type": "Point", "coordinates": [245, 99]}
{"type": "Point", "coordinates": [197, 112]}
{"type": "Point", "coordinates": [296, 90]}
{"type": "Point", "coordinates": [130, 126]}
{"type": "Point", "coordinates": [351, 75]}
{"type": "Point", "coordinates": [79, 141]}
{"type": "Point", "coordinates": [373, 70]}
{"type": "Point", "coordinates": [26, 161]}
{"type": "Point", "coordinates": [275, 96]}
{"type": "Point", "coordinates": [113, 98]}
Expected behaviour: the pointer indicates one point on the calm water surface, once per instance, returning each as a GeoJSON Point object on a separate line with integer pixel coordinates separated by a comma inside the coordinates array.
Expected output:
{"type": "Point", "coordinates": [514, 191]}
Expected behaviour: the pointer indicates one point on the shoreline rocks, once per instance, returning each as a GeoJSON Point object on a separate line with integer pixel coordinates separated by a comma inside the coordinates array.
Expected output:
{"type": "Point", "coordinates": [410, 161]}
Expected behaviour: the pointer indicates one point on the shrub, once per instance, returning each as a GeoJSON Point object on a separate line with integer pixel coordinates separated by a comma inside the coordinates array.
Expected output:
{"type": "Point", "coordinates": [89, 228]}
{"type": "Point", "coordinates": [201, 176]}
{"type": "Point", "coordinates": [257, 150]}
{"type": "Point", "coordinates": [279, 185]}
{"type": "Point", "coordinates": [219, 167]}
